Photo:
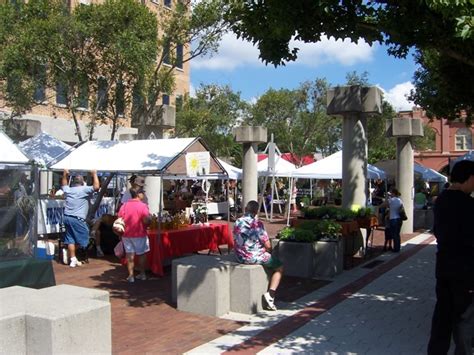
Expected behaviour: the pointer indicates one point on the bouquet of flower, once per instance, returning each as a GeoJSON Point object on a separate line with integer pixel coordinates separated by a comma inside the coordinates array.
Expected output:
{"type": "Point", "coordinates": [166, 220]}
{"type": "Point", "coordinates": [200, 214]}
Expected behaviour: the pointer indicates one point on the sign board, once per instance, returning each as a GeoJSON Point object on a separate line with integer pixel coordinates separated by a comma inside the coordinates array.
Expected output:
{"type": "Point", "coordinates": [51, 212]}
{"type": "Point", "coordinates": [197, 163]}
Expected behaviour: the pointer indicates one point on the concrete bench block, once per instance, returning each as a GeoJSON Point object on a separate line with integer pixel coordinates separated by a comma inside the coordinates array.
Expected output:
{"type": "Point", "coordinates": [57, 320]}
{"type": "Point", "coordinates": [329, 259]}
{"type": "Point", "coordinates": [247, 285]}
{"type": "Point", "coordinates": [202, 285]}
{"type": "Point", "coordinates": [69, 291]}
{"type": "Point", "coordinates": [80, 326]}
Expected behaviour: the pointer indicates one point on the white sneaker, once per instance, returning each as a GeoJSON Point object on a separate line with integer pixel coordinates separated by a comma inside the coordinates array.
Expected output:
{"type": "Point", "coordinates": [74, 262]}
{"type": "Point", "coordinates": [99, 252]}
{"type": "Point", "coordinates": [270, 302]}
{"type": "Point", "coordinates": [130, 279]}
{"type": "Point", "coordinates": [141, 277]}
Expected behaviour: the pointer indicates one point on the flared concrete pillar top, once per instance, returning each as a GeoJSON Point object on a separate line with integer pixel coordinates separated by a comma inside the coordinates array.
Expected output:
{"type": "Point", "coordinates": [404, 127]}
{"type": "Point", "coordinates": [343, 100]}
{"type": "Point", "coordinates": [250, 134]}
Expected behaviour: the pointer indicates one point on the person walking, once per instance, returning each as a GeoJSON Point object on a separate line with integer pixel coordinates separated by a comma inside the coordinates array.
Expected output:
{"type": "Point", "coordinates": [77, 198]}
{"type": "Point", "coordinates": [453, 313]}
{"type": "Point", "coordinates": [136, 216]}
{"type": "Point", "coordinates": [252, 246]}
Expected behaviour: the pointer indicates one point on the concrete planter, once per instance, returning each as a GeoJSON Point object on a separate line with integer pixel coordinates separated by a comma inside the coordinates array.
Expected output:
{"type": "Point", "coordinates": [320, 259]}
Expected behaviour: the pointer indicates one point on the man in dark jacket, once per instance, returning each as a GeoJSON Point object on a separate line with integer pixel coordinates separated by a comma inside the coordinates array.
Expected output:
{"type": "Point", "coordinates": [453, 228]}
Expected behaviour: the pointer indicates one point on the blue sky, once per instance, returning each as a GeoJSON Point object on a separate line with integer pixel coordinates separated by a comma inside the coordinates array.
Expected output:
{"type": "Point", "coordinates": [237, 65]}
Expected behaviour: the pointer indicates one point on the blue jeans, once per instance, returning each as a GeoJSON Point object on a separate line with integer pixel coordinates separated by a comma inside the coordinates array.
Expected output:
{"type": "Point", "coordinates": [395, 226]}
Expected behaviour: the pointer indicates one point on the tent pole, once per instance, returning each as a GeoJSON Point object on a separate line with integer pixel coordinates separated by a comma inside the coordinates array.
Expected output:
{"type": "Point", "coordinates": [291, 181]}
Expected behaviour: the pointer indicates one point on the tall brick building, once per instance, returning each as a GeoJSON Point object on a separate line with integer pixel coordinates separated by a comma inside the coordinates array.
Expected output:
{"type": "Point", "coordinates": [51, 116]}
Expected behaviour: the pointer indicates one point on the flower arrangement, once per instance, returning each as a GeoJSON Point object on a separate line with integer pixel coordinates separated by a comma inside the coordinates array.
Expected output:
{"type": "Point", "coordinates": [200, 214]}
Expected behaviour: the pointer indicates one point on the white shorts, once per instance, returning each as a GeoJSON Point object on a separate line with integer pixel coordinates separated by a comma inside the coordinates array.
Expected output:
{"type": "Point", "coordinates": [136, 245]}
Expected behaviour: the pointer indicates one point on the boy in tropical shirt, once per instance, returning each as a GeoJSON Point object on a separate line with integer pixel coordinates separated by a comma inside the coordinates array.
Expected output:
{"type": "Point", "coordinates": [252, 246]}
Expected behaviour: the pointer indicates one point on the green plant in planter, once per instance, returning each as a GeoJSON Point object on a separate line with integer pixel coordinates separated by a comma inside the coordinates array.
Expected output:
{"type": "Point", "coordinates": [329, 212]}
{"type": "Point", "coordinates": [312, 231]}
{"type": "Point", "coordinates": [329, 230]}
{"type": "Point", "coordinates": [364, 212]}
{"type": "Point", "coordinates": [297, 235]}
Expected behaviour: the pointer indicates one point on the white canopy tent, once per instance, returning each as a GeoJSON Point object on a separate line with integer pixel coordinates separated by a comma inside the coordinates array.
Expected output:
{"type": "Point", "coordinates": [233, 172]}
{"type": "Point", "coordinates": [331, 168]}
{"type": "Point", "coordinates": [44, 148]}
{"type": "Point", "coordinates": [283, 168]}
{"type": "Point", "coordinates": [420, 171]}
{"type": "Point", "coordinates": [10, 153]}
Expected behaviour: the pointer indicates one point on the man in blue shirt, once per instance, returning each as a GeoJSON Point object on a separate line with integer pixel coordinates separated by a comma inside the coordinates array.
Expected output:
{"type": "Point", "coordinates": [77, 198]}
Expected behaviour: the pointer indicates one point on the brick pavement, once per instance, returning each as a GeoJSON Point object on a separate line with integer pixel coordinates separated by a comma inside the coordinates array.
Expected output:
{"type": "Point", "coordinates": [143, 318]}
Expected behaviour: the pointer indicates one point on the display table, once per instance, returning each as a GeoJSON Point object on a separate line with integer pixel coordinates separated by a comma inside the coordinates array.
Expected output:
{"type": "Point", "coordinates": [173, 243]}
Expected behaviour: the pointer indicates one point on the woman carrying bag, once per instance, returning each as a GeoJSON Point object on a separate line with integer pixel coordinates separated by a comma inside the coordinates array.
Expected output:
{"type": "Point", "coordinates": [397, 216]}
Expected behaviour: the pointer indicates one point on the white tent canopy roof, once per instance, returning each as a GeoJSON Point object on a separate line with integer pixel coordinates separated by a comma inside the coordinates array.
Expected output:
{"type": "Point", "coordinates": [233, 172]}
{"type": "Point", "coordinates": [420, 171]}
{"type": "Point", "coordinates": [44, 148]}
{"type": "Point", "coordinates": [283, 168]}
{"type": "Point", "coordinates": [154, 156]}
{"type": "Point", "coordinates": [331, 168]}
{"type": "Point", "coordinates": [468, 156]}
{"type": "Point", "coordinates": [9, 152]}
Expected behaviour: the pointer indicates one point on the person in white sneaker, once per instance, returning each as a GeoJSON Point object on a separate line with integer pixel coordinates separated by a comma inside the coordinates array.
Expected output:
{"type": "Point", "coordinates": [136, 216]}
{"type": "Point", "coordinates": [252, 246]}
{"type": "Point", "coordinates": [77, 198]}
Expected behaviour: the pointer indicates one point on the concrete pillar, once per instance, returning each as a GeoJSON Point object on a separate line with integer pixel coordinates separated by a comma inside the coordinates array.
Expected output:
{"type": "Point", "coordinates": [354, 103]}
{"type": "Point", "coordinates": [153, 193]}
{"type": "Point", "coordinates": [405, 129]}
{"type": "Point", "coordinates": [250, 137]}
{"type": "Point", "coordinates": [354, 161]}
{"type": "Point", "coordinates": [46, 182]}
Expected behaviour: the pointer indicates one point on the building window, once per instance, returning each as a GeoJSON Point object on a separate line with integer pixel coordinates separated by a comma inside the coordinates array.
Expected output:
{"type": "Point", "coordinates": [102, 94]}
{"type": "Point", "coordinates": [61, 94]}
{"type": "Point", "coordinates": [165, 99]}
{"type": "Point", "coordinates": [463, 139]}
{"type": "Point", "coordinates": [166, 54]}
{"type": "Point", "coordinates": [83, 97]}
{"type": "Point", "coordinates": [179, 56]}
{"type": "Point", "coordinates": [120, 99]}
{"type": "Point", "coordinates": [179, 102]}
{"type": "Point", "coordinates": [167, 3]}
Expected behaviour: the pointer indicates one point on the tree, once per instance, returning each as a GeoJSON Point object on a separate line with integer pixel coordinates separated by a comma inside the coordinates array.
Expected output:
{"type": "Point", "coordinates": [192, 29]}
{"type": "Point", "coordinates": [444, 28]}
{"type": "Point", "coordinates": [298, 120]}
{"type": "Point", "coordinates": [212, 114]}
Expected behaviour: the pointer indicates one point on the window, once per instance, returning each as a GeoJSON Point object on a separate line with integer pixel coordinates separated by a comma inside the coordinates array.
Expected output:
{"type": "Point", "coordinates": [39, 94]}
{"type": "Point", "coordinates": [166, 54]}
{"type": "Point", "coordinates": [83, 97]}
{"type": "Point", "coordinates": [167, 3]}
{"type": "Point", "coordinates": [463, 139]}
{"type": "Point", "coordinates": [102, 94]}
{"type": "Point", "coordinates": [165, 99]}
{"type": "Point", "coordinates": [120, 99]}
{"type": "Point", "coordinates": [179, 56]}
{"type": "Point", "coordinates": [61, 94]}
{"type": "Point", "coordinates": [179, 102]}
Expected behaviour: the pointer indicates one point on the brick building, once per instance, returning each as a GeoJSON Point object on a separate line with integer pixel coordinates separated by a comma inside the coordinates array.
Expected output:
{"type": "Point", "coordinates": [453, 139]}
{"type": "Point", "coordinates": [51, 116]}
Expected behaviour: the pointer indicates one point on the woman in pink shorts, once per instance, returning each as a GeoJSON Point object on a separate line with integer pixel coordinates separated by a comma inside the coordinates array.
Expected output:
{"type": "Point", "coordinates": [135, 240]}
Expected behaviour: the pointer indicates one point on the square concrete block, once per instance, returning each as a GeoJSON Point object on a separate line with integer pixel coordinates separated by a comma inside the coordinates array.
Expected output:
{"type": "Point", "coordinates": [247, 285]}
{"type": "Point", "coordinates": [79, 326]}
{"type": "Point", "coordinates": [65, 291]}
{"type": "Point", "coordinates": [250, 134]}
{"type": "Point", "coordinates": [354, 99]}
{"type": "Point", "coordinates": [297, 258]}
{"type": "Point", "coordinates": [329, 259]}
{"type": "Point", "coordinates": [12, 333]}
{"type": "Point", "coordinates": [404, 127]}
{"type": "Point", "coordinates": [202, 285]}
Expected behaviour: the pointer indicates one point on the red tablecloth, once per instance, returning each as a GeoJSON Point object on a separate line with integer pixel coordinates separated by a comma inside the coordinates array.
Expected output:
{"type": "Point", "coordinates": [178, 242]}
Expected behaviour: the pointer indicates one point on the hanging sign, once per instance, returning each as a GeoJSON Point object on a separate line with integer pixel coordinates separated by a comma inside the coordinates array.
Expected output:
{"type": "Point", "coordinates": [198, 163]}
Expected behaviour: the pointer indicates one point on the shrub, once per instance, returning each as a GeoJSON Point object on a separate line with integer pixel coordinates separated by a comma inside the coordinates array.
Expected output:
{"type": "Point", "coordinates": [312, 231]}
{"type": "Point", "coordinates": [329, 212]}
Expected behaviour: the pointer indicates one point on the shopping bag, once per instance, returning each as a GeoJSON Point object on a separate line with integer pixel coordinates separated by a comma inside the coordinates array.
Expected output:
{"type": "Point", "coordinates": [119, 250]}
{"type": "Point", "coordinates": [119, 226]}
{"type": "Point", "coordinates": [402, 213]}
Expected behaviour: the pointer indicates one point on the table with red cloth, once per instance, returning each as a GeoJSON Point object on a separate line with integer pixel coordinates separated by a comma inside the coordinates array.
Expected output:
{"type": "Point", "coordinates": [173, 243]}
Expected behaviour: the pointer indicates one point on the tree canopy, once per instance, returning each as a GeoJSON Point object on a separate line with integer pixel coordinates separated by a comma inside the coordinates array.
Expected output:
{"type": "Point", "coordinates": [434, 28]}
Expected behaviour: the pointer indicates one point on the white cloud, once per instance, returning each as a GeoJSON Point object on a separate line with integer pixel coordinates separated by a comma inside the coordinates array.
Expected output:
{"type": "Point", "coordinates": [235, 53]}
{"type": "Point", "coordinates": [397, 96]}
{"type": "Point", "coordinates": [192, 90]}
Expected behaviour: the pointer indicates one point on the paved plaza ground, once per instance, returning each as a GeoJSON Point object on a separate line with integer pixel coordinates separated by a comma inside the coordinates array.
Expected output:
{"type": "Point", "coordinates": [144, 320]}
